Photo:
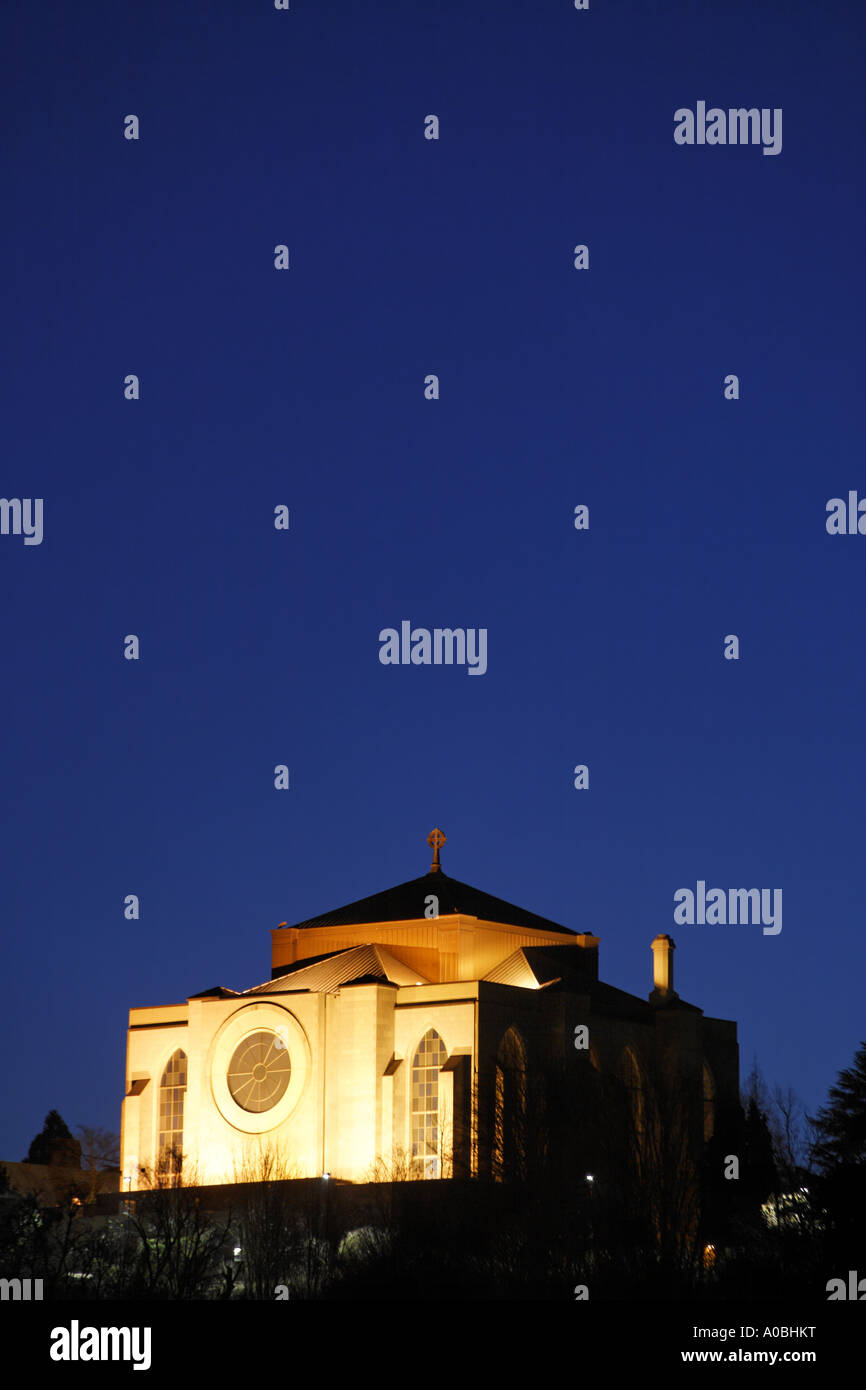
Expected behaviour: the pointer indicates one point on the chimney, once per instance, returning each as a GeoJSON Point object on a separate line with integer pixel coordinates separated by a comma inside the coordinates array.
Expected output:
{"type": "Point", "coordinates": [663, 948]}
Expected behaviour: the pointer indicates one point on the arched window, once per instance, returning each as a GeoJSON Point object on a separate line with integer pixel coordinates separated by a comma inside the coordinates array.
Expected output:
{"type": "Point", "coordinates": [709, 1090]}
{"type": "Point", "coordinates": [426, 1125]}
{"type": "Point", "coordinates": [509, 1122]}
{"type": "Point", "coordinates": [172, 1089]}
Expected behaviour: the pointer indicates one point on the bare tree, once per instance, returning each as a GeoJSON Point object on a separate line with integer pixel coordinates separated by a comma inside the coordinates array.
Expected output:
{"type": "Point", "coordinates": [100, 1153]}
{"type": "Point", "coordinates": [181, 1250]}
{"type": "Point", "coordinates": [792, 1135]}
{"type": "Point", "coordinates": [267, 1222]}
{"type": "Point", "coordinates": [100, 1148]}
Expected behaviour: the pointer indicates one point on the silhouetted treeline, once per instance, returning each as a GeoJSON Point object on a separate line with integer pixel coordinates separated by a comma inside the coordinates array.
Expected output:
{"type": "Point", "coordinates": [599, 1189]}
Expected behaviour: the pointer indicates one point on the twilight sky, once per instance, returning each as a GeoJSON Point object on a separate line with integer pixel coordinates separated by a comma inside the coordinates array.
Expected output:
{"type": "Point", "coordinates": [305, 387]}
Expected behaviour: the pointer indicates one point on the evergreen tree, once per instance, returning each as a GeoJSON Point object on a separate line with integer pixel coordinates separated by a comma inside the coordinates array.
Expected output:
{"type": "Point", "coordinates": [55, 1144]}
{"type": "Point", "coordinates": [760, 1176]}
{"type": "Point", "coordinates": [841, 1125]}
{"type": "Point", "coordinates": [760, 1179]}
{"type": "Point", "coordinates": [840, 1152]}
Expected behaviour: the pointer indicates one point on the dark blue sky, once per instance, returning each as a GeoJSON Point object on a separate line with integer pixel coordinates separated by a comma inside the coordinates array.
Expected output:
{"type": "Point", "coordinates": [306, 387]}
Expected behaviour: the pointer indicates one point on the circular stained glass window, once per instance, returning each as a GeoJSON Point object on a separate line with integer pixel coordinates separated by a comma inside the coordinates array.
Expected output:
{"type": "Point", "coordinates": [259, 1072]}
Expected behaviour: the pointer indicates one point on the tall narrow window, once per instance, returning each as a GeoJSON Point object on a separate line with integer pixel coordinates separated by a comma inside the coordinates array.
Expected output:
{"type": "Point", "coordinates": [172, 1089]}
{"type": "Point", "coordinates": [709, 1088]}
{"type": "Point", "coordinates": [509, 1121]}
{"type": "Point", "coordinates": [426, 1124]}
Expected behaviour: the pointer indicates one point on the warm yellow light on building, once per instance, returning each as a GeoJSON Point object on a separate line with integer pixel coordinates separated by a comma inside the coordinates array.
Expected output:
{"type": "Point", "coordinates": [399, 1036]}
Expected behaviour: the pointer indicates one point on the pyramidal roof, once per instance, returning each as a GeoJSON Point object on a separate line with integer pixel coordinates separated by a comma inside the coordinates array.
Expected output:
{"type": "Point", "coordinates": [408, 901]}
{"type": "Point", "coordinates": [358, 964]}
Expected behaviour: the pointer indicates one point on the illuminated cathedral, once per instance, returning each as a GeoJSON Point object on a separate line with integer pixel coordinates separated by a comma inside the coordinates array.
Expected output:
{"type": "Point", "coordinates": [403, 1035]}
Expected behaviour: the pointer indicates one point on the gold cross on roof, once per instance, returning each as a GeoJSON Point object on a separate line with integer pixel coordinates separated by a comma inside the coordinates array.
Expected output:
{"type": "Point", "coordinates": [436, 839]}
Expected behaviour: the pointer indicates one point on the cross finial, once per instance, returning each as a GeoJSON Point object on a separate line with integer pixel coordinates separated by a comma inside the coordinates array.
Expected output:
{"type": "Point", "coordinates": [436, 839]}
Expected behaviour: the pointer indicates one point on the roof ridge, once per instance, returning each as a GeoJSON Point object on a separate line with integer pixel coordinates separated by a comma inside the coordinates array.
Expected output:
{"type": "Point", "coordinates": [407, 901]}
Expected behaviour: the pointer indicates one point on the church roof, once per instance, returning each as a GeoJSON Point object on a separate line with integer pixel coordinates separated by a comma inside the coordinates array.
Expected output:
{"type": "Point", "coordinates": [366, 964]}
{"type": "Point", "coordinates": [533, 966]}
{"type": "Point", "coordinates": [407, 901]}
{"type": "Point", "coordinates": [540, 967]}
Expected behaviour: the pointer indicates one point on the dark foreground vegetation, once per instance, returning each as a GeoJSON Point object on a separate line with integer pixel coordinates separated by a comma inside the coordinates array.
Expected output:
{"type": "Point", "coordinates": [645, 1221]}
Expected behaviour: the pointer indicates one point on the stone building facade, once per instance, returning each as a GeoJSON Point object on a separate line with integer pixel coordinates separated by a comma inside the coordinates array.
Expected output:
{"type": "Point", "coordinates": [407, 1035]}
